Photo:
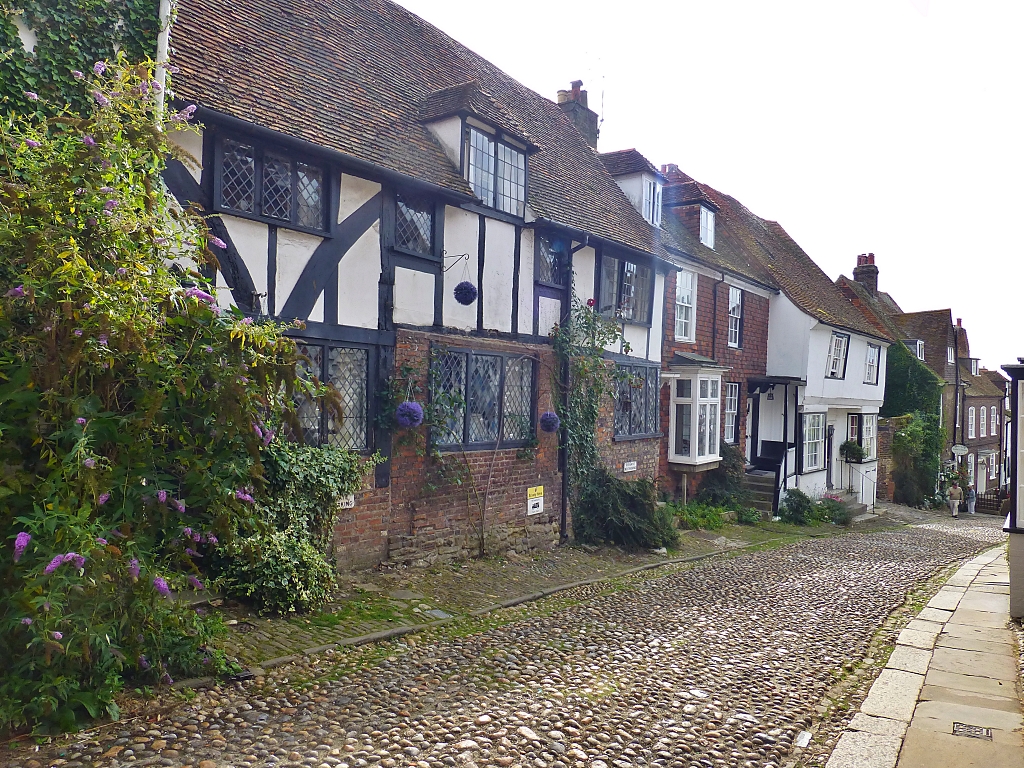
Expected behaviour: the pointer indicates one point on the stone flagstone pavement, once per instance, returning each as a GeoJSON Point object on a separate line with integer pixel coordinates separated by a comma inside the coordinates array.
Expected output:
{"type": "Point", "coordinates": [948, 695]}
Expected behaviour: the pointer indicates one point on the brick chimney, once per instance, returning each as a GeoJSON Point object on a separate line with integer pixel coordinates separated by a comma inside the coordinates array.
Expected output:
{"type": "Point", "coordinates": [574, 104]}
{"type": "Point", "coordinates": [866, 273]}
{"type": "Point", "coordinates": [673, 175]}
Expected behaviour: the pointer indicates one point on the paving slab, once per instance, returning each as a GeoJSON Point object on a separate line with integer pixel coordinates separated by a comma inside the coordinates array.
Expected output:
{"type": "Point", "coordinates": [998, 666]}
{"type": "Point", "coordinates": [961, 579]}
{"type": "Point", "coordinates": [928, 749]}
{"type": "Point", "coordinates": [939, 716]}
{"type": "Point", "coordinates": [859, 749]}
{"type": "Point", "coordinates": [893, 695]}
{"type": "Point", "coordinates": [946, 599]}
{"type": "Point", "coordinates": [917, 639]}
{"type": "Point", "coordinates": [924, 626]}
{"type": "Point", "coordinates": [994, 589]}
{"type": "Point", "coordinates": [989, 634]}
{"type": "Point", "coordinates": [969, 698]}
{"type": "Point", "coordinates": [970, 683]}
{"type": "Point", "coordinates": [986, 602]}
{"type": "Point", "coordinates": [980, 618]}
{"type": "Point", "coordinates": [909, 659]}
{"type": "Point", "coordinates": [881, 726]}
{"type": "Point", "coordinates": [937, 615]}
{"type": "Point", "coordinates": [971, 644]}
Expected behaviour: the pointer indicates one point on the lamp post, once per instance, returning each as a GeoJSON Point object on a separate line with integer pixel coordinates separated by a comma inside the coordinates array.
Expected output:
{"type": "Point", "coordinates": [1014, 520]}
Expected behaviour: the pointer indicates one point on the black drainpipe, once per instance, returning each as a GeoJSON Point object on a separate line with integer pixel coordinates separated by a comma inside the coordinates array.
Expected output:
{"type": "Point", "coordinates": [563, 433]}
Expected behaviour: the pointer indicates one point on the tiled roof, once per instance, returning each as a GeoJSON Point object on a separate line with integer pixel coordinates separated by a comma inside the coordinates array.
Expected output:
{"type": "Point", "coordinates": [689, 193]}
{"type": "Point", "coordinates": [980, 385]}
{"type": "Point", "coordinates": [931, 327]}
{"type": "Point", "coordinates": [876, 312]}
{"type": "Point", "coordinates": [353, 76]}
{"type": "Point", "coordinates": [469, 97]}
{"type": "Point", "coordinates": [997, 378]}
{"type": "Point", "coordinates": [626, 161]}
{"type": "Point", "coordinates": [763, 251]}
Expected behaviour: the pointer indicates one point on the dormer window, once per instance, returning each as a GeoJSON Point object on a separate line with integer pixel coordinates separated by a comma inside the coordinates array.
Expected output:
{"type": "Point", "coordinates": [496, 171]}
{"type": "Point", "coordinates": [950, 355]}
{"type": "Point", "coordinates": [707, 227]}
{"type": "Point", "coordinates": [974, 366]}
{"type": "Point", "coordinates": [916, 347]}
{"type": "Point", "coordinates": [652, 201]}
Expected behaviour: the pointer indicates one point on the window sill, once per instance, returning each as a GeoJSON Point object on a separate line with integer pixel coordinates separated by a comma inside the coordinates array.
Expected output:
{"type": "Point", "coordinates": [835, 378]}
{"type": "Point", "coordinates": [415, 254]}
{"type": "Point", "coordinates": [627, 438]}
{"type": "Point", "coordinates": [702, 462]}
{"type": "Point", "coordinates": [471, 447]}
{"type": "Point", "coordinates": [272, 222]}
{"type": "Point", "coordinates": [494, 213]}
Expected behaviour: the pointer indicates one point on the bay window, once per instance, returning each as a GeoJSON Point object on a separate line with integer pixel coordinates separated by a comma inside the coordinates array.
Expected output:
{"type": "Point", "coordinates": [814, 442]}
{"type": "Point", "coordinates": [686, 292]}
{"type": "Point", "coordinates": [627, 290]}
{"type": "Point", "coordinates": [694, 416]}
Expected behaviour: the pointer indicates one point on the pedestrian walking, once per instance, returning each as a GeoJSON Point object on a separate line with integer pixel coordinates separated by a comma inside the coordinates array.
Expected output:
{"type": "Point", "coordinates": [972, 498]}
{"type": "Point", "coordinates": [955, 495]}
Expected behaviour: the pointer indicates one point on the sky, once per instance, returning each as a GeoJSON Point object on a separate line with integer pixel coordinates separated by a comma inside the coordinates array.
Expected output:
{"type": "Point", "coordinates": [883, 126]}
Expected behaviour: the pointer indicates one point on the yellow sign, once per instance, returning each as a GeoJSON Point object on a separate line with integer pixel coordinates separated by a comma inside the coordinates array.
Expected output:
{"type": "Point", "coordinates": [537, 492]}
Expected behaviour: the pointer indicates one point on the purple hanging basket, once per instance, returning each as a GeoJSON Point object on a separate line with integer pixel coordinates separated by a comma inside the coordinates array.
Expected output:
{"type": "Point", "coordinates": [549, 421]}
{"type": "Point", "coordinates": [409, 414]}
{"type": "Point", "coordinates": [465, 293]}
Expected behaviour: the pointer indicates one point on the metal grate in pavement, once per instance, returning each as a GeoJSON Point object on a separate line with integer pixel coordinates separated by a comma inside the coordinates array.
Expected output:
{"type": "Point", "coordinates": [972, 731]}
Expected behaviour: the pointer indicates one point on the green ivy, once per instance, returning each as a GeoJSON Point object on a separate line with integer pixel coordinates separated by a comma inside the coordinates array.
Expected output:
{"type": "Point", "coordinates": [910, 385]}
{"type": "Point", "coordinates": [72, 35]}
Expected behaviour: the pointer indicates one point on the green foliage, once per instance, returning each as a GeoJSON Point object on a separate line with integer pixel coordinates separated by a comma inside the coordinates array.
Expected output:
{"type": "Point", "coordinates": [833, 510]}
{"type": "Point", "coordinates": [698, 516]}
{"type": "Point", "coordinates": [910, 385]}
{"type": "Point", "coordinates": [748, 516]}
{"type": "Point", "coordinates": [797, 508]}
{"type": "Point", "coordinates": [72, 35]}
{"type": "Point", "coordinates": [278, 572]}
{"type": "Point", "coordinates": [917, 443]}
{"type": "Point", "coordinates": [132, 410]}
{"type": "Point", "coordinates": [852, 451]}
{"type": "Point", "coordinates": [723, 485]}
{"type": "Point", "coordinates": [623, 512]}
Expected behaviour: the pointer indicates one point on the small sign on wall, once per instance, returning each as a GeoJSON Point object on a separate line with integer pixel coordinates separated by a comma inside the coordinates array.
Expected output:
{"type": "Point", "coordinates": [347, 502]}
{"type": "Point", "coordinates": [629, 466]}
{"type": "Point", "coordinates": [535, 500]}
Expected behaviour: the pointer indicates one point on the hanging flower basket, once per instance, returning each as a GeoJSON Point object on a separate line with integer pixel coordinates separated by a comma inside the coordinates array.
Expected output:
{"type": "Point", "coordinates": [409, 414]}
{"type": "Point", "coordinates": [549, 421]}
{"type": "Point", "coordinates": [465, 293]}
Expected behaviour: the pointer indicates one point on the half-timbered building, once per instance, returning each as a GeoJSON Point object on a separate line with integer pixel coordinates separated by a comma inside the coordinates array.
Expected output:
{"type": "Point", "coordinates": [428, 219]}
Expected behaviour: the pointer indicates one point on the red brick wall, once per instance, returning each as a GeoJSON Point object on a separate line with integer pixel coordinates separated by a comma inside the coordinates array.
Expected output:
{"type": "Point", "coordinates": [750, 360]}
{"type": "Point", "coordinates": [407, 522]}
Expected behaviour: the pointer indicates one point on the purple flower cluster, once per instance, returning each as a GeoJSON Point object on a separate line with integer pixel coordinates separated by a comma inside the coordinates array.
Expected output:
{"type": "Point", "coordinates": [246, 321]}
{"type": "Point", "coordinates": [58, 635]}
{"type": "Point", "coordinates": [202, 295]}
{"type": "Point", "coordinates": [99, 67]}
{"type": "Point", "coordinates": [409, 414]}
{"type": "Point", "coordinates": [179, 505]}
{"type": "Point", "coordinates": [549, 421]}
{"type": "Point", "coordinates": [185, 115]}
{"type": "Point", "coordinates": [196, 583]}
{"type": "Point", "coordinates": [89, 463]}
{"type": "Point", "coordinates": [243, 495]}
{"type": "Point", "coordinates": [77, 74]}
{"type": "Point", "coordinates": [102, 100]}
{"type": "Point", "coordinates": [80, 421]}
{"type": "Point", "coordinates": [101, 541]}
{"type": "Point", "coordinates": [160, 585]}
{"type": "Point", "coordinates": [103, 499]}
{"type": "Point", "coordinates": [20, 543]}
{"type": "Point", "coordinates": [32, 143]}
{"type": "Point", "coordinates": [89, 141]}
{"type": "Point", "coordinates": [26, 621]}
{"type": "Point", "coordinates": [59, 560]}
{"type": "Point", "coordinates": [31, 95]}
{"type": "Point", "coordinates": [161, 496]}
{"type": "Point", "coordinates": [143, 663]}
{"type": "Point", "coordinates": [133, 568]}
{"type": "Point", "coordinates": [16, 292]}
{"type": "Point", "coordinates": [103, 339]}
{"type": "Point", "coordinates": [218, 242]}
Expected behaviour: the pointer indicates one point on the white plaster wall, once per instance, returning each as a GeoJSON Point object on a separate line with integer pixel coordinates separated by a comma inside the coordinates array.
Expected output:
{"type": "Point", "coordinates": [461, 232]}
{"type": "Point", "coordinates": [448, 133]}
{"type": "Point", "coordinates": [850, 391]}
{"type": "Point", "coordinates": [358, 279]}
{"type": "Point", "coordinates": [192, 143]}
{"type": "Point", "coordinates": [583, 265]}
{"type": "Point", "coordinates": [317, 312]}
{"type": "Point", "coordinates": [250, 239]}
{"type": "Point", "coordinates": [633, 187]}
{"type": "Point", "coordinates": [414, 297]}
{"type": "Point", "coordinates": [788, 336]}
{"type": "Point", "coordinates": [354, 192]}
{"type": "Point", "coordinates": [293, 251]}
{"type": "Point", "coordinates": [549, 312]}
{"type": "Point", "coordinates": [499, 266]}
{"type": "Point", "coordinates": [526, 282]}
{"type": "Point", "coordinates": [636, 337]}
{"type": "Point", "coordinates": [224, 298]}
{"type": "Point", "coordinates": [657, 317]}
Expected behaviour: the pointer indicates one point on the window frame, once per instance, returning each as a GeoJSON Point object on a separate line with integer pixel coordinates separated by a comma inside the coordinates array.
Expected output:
{"type": "Point", "coordinates": [735, 320]}
{"type": "Point", "coordinates": [734, 437]}
{"type": "Point", "coordinates": [972, 475]}
{"type": "Point", "coordinates": [950, 356]}
{"type": "Point", "coordinates": [994, 425]}
{"type": "Point", "coordinates": [836, 335]}
{"type": "Point", "coordinates": [498, 140]}
{"type": "Point", "coordinates": [805, 468]}
{"type": "Point", "coordinates": [868, 435]}
{"type": "Point", "coordinates": [540, 238]}
{"type": "Point", "coordinates": [983, 422]}
{"type": "Point", "coordinates": [651, 200]}
{"type": "Point", "coordinates": [692, 320]}
{"type": "Point", "coordinates": [974, 366]}
{"type": "Point", "coordinates": [432, 204]}
{"type": "Point", "coordinates": [469, 353]}
{"type": "Point", "coordinates": [323, 434]}
{"type": "Point", "coordinates": [707, 227]}
{"type": "Point", "coordinates": [711, 408]}
{"type": "Point", "coordinates": [993, 466]}
{"type": "Point", "coordinates": [260, 149]}
{"type": "Point", "coordinates": [620, 272]}
{"type": "Point", "coordinates": [868, 365]}
{"type": "Point", "coordinates": [971, 423]}
{"type": "Point", "coordinates": [649, 408]}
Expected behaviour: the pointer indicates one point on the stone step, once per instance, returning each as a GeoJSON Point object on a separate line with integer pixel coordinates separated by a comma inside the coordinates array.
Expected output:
{"type": "Point", "coordinates": [762, 505]}
{"type": "Point", "coordinates": [757, 483]}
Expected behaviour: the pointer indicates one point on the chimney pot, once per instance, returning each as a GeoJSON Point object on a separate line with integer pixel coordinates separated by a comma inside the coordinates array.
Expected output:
{"type": "Point", "coordinates": [866, 273]}
{"type": "Point", "coordinates": [574, 104]}
{"type": "Point", "coordinates": [871, 258]}
{"type": "Point", "coordinates": [959, 324]}
{"type": "Point", "coordinates": [563, 96]}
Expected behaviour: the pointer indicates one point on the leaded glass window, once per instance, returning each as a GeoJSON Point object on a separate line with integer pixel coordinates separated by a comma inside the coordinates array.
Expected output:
{"type": "Point", "coordinates": [481, 399]}
{"type": "Point", "coordinates": [271, 186]}
{"type": "Point", "coordinates": [343, 423]}
{"type": "Point", "coordinates": [627, 289]}
{"type": "Point", "coordinates": [496, 171]}
{"type": "Point", "coordinates": [637, 403]}
{"type": "Point", "coordinates": [481, 165]}
{"type": "Point", "coordinates": [238, 177]}
{"type": "Point", "coordinates": [414, 224]}
{"type": "Point", "coordinates": [551, 260]}
{"type": "Point", "coordinates": [511, 187]}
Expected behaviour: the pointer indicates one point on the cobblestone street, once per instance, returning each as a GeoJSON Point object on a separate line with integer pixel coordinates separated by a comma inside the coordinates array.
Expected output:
{"type": "Point", "coordinates": [718, 664]}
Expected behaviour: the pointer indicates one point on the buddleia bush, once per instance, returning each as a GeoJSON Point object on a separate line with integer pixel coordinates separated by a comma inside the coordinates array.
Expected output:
{"type": "Point", "coordinates": [133, 410]}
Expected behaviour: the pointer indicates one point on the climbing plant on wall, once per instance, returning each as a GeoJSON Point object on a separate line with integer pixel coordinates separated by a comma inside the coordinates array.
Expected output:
{"type": "Point", "coordinates": [70, 35]}
{"type": "Point", "coordinates": [910, 385]}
